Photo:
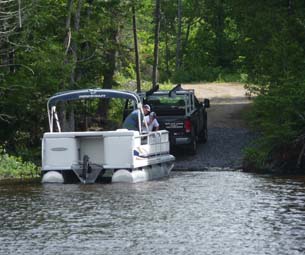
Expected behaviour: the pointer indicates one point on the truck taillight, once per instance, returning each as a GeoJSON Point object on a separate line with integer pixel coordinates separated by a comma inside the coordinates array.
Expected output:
{"type": "Point", "coordinates": [187, 126]}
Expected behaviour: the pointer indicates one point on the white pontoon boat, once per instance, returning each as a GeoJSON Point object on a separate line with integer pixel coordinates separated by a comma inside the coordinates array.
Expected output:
{"type": "Point", "coordinates": [88, 156]}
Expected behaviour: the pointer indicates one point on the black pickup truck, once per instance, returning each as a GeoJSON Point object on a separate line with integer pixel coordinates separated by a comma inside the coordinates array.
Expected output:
{"type": "Point", "coordinates": [179, 111]}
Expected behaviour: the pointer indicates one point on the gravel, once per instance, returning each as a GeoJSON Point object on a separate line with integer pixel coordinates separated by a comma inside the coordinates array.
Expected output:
{"type": "Point", "coordinates": [228, 132]}
{"type": "Point", "coordinates": [223, 151]}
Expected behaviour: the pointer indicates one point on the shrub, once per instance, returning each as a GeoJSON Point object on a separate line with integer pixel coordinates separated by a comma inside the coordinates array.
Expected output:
{"type": "Point", "coordinates": [14, 167]}
{"type": "Point", "coordinates": [279, 115]}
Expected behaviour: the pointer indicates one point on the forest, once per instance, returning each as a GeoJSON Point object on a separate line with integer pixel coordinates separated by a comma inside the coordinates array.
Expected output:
{"type": "Point", "coordinates": [48, 46]}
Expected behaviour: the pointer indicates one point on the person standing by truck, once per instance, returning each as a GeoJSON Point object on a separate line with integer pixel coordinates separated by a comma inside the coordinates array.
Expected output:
{"type": "Point", "coordinates": [152, 122]}
{"type": "Point", "coordinates": [182, 115]}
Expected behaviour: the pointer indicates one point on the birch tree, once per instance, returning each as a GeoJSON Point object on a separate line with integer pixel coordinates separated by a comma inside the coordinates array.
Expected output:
{"type": "Point", "coordinates": [71, 44]}
{"type": "Point", "coordinates": [10, 22]}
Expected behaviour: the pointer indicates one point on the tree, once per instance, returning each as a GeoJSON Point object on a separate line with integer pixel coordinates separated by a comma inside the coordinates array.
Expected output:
{"type": "Point", "coordinates": [156, 43]}
{"type": "Point", "coordinates": [10, 23]}
{"type": "Point", "coordinates": [272, 53]}
{"type": "Point", "coordinates": [71, 44]}
{"type": "Point", "coordinates": [136, 48]}
{"type": "Point", "coordinates": [178, 47]}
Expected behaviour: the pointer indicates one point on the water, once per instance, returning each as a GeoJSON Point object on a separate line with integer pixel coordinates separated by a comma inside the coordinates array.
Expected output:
{"type": "Point", "coordinates": [188, 213]}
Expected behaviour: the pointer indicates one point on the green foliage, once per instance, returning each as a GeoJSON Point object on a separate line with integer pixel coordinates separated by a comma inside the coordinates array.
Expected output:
{"type": "Point", "coordinates": [279, 116]}
{"type": "Point", "coordinates": [271, 53]}
{"type": "Point", "coordinates": [15, 167]}
{"type": "Point", "coordinates": [255, 158]}
{"type": "Point", "coordinates": [257, 42]}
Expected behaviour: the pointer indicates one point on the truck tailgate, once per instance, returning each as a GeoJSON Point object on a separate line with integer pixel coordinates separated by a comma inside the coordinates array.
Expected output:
{"type": "Point", "coordinates": [171, 123]}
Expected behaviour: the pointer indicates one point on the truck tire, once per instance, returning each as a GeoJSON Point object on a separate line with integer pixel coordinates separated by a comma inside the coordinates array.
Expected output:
{"type": "Point", "coordinates": [192, 148]}
{"type": "Point", "coordinates": [203, 137]}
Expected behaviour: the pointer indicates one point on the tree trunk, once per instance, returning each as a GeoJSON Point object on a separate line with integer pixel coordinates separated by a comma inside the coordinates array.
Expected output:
{"type": "Point", "coordinates": [74, 76]}
{"type": "Point", "coordinates": [185, 42]}
{"type": "Point", "coordinates": [136, 48]}
{"type": "Point", "coordinates": [67, 42]}
{"type": "Point", "coordinates": [167, 51]}
{"type": "Point", "coordinates": [70, 43]}
{"type": "Point", "coordinates": [220, 36]}
{"type": "Point", "coordinates": [290, 9]}
{"type": "Point", "coordinates": [12, 60]}
{"type": "Point", "coordinates": [178, 47]}
{"type": "Point", "coordinates": [71, 50]}
{"type": "Point", "coordinates": [10, 15]}
{"type": "Point", "coordinates": [89, 10]}
{"type": "Point", "coordinates": [109, 71]}
{"type": "Point", "coordinates": [19, 14]}
{"type": "Point", "coordinates": [156, 45]}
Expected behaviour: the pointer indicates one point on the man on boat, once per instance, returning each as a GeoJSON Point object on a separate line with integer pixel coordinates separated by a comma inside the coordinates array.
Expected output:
{"type": "Point", "coordinates": [131, 121]}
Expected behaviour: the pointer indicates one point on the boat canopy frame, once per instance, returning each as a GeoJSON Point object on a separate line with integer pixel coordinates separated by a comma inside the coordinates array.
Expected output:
{"type": "Point", "coordinates": [90, 94]}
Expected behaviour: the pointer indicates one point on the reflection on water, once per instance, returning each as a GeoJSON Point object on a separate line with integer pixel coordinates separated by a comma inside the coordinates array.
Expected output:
{"type": "Point", "coordinates": [189, 213]}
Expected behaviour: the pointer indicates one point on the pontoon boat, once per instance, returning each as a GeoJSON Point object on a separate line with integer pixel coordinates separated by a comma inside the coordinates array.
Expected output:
{"type": "Point", "coordinates": [90, 155]}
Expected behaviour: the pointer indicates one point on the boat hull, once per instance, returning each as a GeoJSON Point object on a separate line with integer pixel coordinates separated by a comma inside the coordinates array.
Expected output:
{"type": "Point", "coordinates": [141, 175]}
{"type": "Point", "coordinates": [122, 156]}
{"type": "Point", "coordinates": [147, 173]}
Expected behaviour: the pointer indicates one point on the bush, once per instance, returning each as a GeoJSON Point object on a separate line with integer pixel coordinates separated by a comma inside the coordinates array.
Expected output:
{"type": "Point", "coordinates": [14, 167]}
{"type": "Point", "coordinates": [255, 159]}
{"type": "Point", "coordinates": [279, 115]}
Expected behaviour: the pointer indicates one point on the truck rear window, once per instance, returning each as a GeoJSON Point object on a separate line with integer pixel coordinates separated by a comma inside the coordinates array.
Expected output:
{"type": "Point", "coordinates": [164, 105]}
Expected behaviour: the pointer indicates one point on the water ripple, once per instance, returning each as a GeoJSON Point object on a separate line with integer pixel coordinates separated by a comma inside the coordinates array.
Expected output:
{"type": "Point", "coordinates": [188, 213]}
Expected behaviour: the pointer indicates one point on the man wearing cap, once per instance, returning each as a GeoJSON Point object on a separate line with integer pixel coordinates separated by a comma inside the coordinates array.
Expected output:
{"type": "Point", "coordinates": [152, 122]}
{"type": "Point", "coordinates": [131, 121]}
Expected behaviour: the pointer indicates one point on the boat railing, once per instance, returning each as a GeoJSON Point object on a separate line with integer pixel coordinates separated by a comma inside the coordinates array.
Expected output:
{"type": "Point", "coordinates": [154, 139]}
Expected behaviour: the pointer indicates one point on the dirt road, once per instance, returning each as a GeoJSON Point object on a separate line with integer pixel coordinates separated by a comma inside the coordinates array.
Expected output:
{"type": "Point", "coordinates": [228, 132]}
{"type": "Point", "coordinates": [228, 101]}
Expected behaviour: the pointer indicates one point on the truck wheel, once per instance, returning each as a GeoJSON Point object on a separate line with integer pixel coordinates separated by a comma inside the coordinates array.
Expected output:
{"type": "Point", "coordinates": [204, 135]}
{"type": "Point", "coordinates": [192, 148]}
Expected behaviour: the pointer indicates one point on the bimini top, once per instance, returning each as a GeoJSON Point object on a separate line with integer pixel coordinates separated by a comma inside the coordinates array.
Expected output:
{"type": "Point", "coordinates": [91, 93]}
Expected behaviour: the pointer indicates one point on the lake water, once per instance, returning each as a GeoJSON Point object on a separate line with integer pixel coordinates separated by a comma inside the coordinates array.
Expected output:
{"type": "Point", "coordinates": [188, 213]}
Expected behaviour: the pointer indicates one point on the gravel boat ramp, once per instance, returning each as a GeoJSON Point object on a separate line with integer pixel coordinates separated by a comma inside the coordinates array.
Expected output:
{"type": "Point", "coordinates": [228, 133]}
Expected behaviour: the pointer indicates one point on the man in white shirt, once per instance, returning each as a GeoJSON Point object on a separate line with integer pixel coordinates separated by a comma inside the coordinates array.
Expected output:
{"type": "Point", "coordinates": [152, 122]}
